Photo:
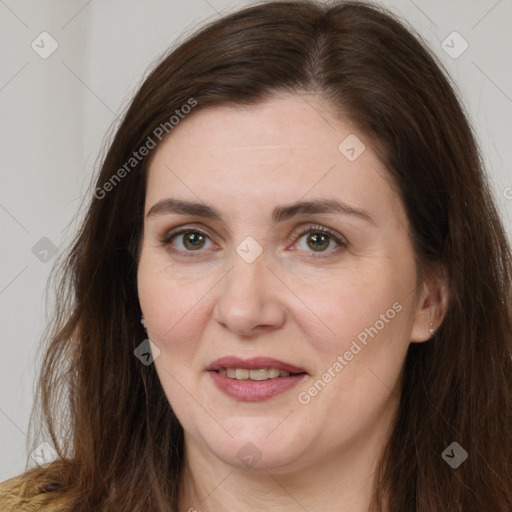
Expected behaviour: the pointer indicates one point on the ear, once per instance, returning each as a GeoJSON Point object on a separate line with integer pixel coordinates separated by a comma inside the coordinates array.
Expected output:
{"type": "Point", "coordinates": [432, 306]}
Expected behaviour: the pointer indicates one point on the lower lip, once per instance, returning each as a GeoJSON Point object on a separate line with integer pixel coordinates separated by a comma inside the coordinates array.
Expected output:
{"type": "Point", "coordinates": [254, 390]}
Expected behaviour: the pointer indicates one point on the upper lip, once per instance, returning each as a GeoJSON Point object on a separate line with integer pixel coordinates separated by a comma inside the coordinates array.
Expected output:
{"type": "Point", "coordinates": [254, 363]}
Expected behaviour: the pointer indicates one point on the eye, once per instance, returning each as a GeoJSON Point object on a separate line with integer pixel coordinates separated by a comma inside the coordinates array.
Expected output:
{"type": "Point", "coordinates": [319, 239]}
{"type": "Point", "coordinates": [188, 240]}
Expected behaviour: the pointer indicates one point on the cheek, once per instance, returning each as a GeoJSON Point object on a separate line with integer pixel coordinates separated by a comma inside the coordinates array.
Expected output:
{"type": "Point", "coordinates": [335, 309]}
{"type": "Point", "coordinates": [359, 334]}
{"type": "Point", "coordinates": [172, 309]}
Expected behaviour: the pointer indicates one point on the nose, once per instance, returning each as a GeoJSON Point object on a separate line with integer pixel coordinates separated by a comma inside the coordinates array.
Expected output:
{"type": "Point", "coordinates": [249, 298]}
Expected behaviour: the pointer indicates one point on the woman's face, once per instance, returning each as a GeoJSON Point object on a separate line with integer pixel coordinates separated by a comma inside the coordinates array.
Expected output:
{"type": "Point", "coordinates": [270, 248]}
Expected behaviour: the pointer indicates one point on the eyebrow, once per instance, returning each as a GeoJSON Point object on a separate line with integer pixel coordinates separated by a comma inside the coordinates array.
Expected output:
{"type": "Point", "coordinates": [280, 213]}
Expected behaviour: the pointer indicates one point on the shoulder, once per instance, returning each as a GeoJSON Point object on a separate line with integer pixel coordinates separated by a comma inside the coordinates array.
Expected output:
{"type": "Point", "coordinates": [24, 494]}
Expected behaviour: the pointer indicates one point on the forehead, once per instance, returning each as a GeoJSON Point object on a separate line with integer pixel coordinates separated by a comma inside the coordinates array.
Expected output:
{"type": "Point", "coordinates": [289, 147]}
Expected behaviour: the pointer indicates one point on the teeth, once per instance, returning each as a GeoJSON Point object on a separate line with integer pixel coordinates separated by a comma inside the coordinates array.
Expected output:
{"type": "Point", "coordinates": [259, 374]}
{"type": "Point", "coordinates": [241, 374]}
{"type": "Point", "coordinates": [273, 373]}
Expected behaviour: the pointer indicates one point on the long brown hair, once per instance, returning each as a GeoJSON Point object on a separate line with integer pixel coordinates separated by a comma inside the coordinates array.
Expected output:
{"type": "Point", "coordinates": [120, 444]}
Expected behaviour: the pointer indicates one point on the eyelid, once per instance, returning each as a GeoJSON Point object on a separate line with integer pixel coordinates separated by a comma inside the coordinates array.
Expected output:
{"type": "Point", "coordinates": [166, 239]}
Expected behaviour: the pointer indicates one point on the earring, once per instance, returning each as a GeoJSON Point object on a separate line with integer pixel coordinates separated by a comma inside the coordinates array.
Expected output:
{"type": "Point", "coordinates": [143, 322]}
{"type": "Point", "coordinates": [432, 330]}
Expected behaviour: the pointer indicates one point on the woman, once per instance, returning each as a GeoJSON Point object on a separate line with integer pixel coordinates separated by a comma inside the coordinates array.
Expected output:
{"type": "Point", "coordinates": [294, 212]}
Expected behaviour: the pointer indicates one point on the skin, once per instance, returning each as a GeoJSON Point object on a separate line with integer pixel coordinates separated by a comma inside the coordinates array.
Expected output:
{"type": "Point", "coordinates": [288, 304]}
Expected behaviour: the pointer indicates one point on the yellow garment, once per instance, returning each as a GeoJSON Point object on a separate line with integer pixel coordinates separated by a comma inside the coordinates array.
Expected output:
{"type": "Point", "coordinates": [24, 495]}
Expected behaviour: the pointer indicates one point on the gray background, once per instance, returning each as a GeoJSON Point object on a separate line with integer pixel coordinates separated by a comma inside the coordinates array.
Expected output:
{"type": "Point", "coordinates": [55, 113]}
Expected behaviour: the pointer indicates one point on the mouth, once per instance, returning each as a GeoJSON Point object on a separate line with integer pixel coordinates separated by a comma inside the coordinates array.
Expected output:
{"type": "Point", "coordinates": [259, 374]}
{"type": "Point", "coordinates": [254, 379]}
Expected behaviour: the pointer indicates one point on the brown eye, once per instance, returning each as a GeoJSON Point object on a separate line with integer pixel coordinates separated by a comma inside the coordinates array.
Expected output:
{"type": "Point", "coordinates": [187, 240]}
{"type": "Point", "coordinates": [319, 239]}
{"type": "Point", "coordinates": [193, 240]}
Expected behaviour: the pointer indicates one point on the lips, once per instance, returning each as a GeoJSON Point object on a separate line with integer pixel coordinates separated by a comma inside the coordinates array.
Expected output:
{"type": "Point", "coordinates": [249, 390]}
{"type": "Point", "coordinates": [254, 363]}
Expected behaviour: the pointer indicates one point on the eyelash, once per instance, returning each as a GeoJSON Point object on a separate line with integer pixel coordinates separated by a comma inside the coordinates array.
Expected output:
{"type": "Point", "coordinates": [312, 228]}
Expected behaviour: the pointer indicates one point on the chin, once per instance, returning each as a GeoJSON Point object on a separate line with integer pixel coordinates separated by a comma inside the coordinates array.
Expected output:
{"type": "Point", "coordinates": [260, 447]}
